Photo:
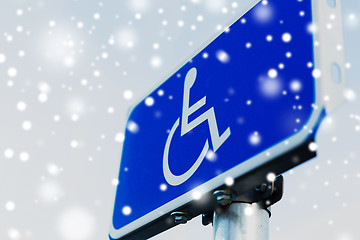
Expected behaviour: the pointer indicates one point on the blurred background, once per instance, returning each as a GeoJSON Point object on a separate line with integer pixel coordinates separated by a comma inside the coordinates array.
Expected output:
{"type": "Point", "coordinates": [70, 70]}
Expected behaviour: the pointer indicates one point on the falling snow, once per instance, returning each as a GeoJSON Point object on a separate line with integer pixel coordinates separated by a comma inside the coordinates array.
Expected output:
{"type": "Point", "coordinates": [229, 181]}
{"type": "Point", "coordinates": [270, 87]}
{"type": "Point", "coordinates": [272, 73]}
{"type": "Point", "coordinates": [133, 127]}
{"type": "Point", "coordinates": [312, 147]}
{"type": "Point", "coordinates": [126, 210]}
{"type": "Point", "coordinates": [163, 187]}
{"type": "Point", "coordinates": [10, 206]}
{"type": "Point", "coordinates": [316, 73]}
{"type": "Point", "coordinates": [295, 85]}
{"type": "Point", "coordinates": [8, 153]}
{"type": "Point", "coordinates": [196, 195]}
{"type": "Point", "coordinates": [156, 61]}
{"type": "Point", "coordinates": [26, 125]}
{"type": "Point", "coordinates": [211, 156]}
{"type": "Point", "coordinates": [119, 137]}
{"type": "Point", "coordinates": [53, 169]}
{"type": "Point", "coordinates": [350, 95]}
{"type": "Point", "coordinates": [2, 58]}
{"type": "Point", "coordinates": [13, 233]}
{"type": "Point", "coordinates": [74, 144]}
{"type": "Point", "coordinates": [149, 101]}
{"type": "Point", "coordinates": [12, 72]}
{"type": "Point", "coordinates": [76, 223]}
{"type": "Point", "coordinates": [286, 37]}
{"type": "Point", "coordinates": [71, 74]}
{"type": "Point", "coordinates": [271, 177]}
{"type": "Point", "coordinates": [21, 106]}
{"type": "Point", "coordinates": [222, 56]}
{"type": "Point", "coordinates": [128, 94]}
{"type": "Point", "coordinates": [255, 139]}
{"type": "Point", "coordinates": [49, 192]}
{"type": "Point", "coordinates": [115, 182]}
{"type": "Point", "coordinates": [24, 156]}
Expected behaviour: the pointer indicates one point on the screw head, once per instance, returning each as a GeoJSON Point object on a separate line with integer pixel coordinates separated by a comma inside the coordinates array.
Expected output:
{"type": "Point", "coordinates": [223, 197]}
{"type": "Point", "coordinates": [181, 217]}
{"type": "Point", "coordinates": [261, 188]}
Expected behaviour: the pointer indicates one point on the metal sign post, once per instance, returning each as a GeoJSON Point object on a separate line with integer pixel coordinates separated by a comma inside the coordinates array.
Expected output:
{"type": "Point", "coordinates": [245, 216]}
{"type": "Point", "coordinates": [241, 221]}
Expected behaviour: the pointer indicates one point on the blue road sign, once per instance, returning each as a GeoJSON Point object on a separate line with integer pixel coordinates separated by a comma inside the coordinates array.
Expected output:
{"type": "Point", "coordinates": [246, 98]}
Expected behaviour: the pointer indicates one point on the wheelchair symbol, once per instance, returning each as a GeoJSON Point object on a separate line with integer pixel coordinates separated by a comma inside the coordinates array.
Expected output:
{"type": "Point", "coordinates": [186, 127]}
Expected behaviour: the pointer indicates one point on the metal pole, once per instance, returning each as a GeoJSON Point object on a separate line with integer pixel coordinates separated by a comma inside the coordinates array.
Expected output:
{"type": "Point", "coordinates": [241, 221]}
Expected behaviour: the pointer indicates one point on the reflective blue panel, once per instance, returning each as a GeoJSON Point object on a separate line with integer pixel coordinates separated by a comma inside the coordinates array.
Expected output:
{"type": "Point", "coordinates": [259, 91]}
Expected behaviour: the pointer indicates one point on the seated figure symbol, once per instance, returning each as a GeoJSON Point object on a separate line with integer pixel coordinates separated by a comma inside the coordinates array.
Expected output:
{"type": "Point", "coordinates": [216, 139]}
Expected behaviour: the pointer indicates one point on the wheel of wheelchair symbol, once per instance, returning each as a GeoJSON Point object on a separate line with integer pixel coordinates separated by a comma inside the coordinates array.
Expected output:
{"type": "Point", "coordinates": [176, 180]}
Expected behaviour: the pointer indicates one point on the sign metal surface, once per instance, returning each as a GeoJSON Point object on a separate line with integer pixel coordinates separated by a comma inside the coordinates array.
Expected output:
{"type": "Point", "coordinates": [245, 99]}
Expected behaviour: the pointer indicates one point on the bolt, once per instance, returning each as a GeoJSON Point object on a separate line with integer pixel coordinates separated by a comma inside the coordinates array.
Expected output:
{"type": "Point", "coordinates": [207, 218]}
{"type": "Point", "coordinates": [261, 188]}
{"type": "Point", "coordinates": [181, 217]}
{"type": "Point", "coordinates": [223, 197]}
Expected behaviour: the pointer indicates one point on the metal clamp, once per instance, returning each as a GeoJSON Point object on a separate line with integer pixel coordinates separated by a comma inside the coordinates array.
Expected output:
{"type": "Point", "coordinates": [265, 195]}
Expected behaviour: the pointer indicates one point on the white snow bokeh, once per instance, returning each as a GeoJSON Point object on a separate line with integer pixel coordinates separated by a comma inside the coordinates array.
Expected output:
{"type": "Point", "coordinates": [14, 234]}
{"type": "Point", "coordinates": [295, 85]}
{"type": "Point", "coordinates": [59, 46]}
{"type": "Point", "coordinates": [21, 106]}
{"type": "Point", "coordinates": [156, 62]}
{"type": "Point", "coordinates": [133, 127]}
{"type": "Point", "coordinates": [2, 58]}
{"type": "Point", "coordinates": [222, 56]}
{"type": "Point", "coordinates": [270, 87]}
{"type": "Point", "coordinates": [126, 210]}
{"type": "Point", "coordinates": [12, 72]}
{"type": "Point", "coordinates": [163, 187]}
{"type": "Point", "coordinates": [254, 139]}
{"type": "Point", "coordinates": [119, 137]}
{"type": "Point", "coordinates": [139, 5]}
{"type": "Point", "coordinates": [24, 156]}
{"type": "Point", "coordinates": [75, 109]}
{"type": "Point", "coordinates": [264, 14]}
{"type": "Point", "coordinates": [8, 153]}
{"type": "Point", "coordinates": [272, 73]}
{"type": "Point", "coordinates": [352, 20]}
{"type": "Point", "coordinates": [50, 191]}
{"type": "Point", "coordinates": [286, 37]}
{"type": "Point", "coordinates": [128, 94]}
{"type": "Point", "coordinates": [26, 125]}
{"type": "Point", "coordinates": [211, 156]}
{"type": "Point", "coordinates": [10, 206]}
{"type": "Point", "coordinates": [76, 223]}
{"type": "Point", "coordinates": [229, 181]}
{"type": "Point", "coordinates": [216, 6]}
{"type": "Point", "coordinates": [53, 169]}
{"type": "Point", "coordinates": [127, 38]}
{"type": "Point", "coordinates": [271, 177]}
{"type": "Point", "coordinates": [149, 101]}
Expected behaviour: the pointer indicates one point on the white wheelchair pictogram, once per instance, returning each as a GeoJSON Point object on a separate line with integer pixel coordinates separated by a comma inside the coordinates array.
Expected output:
{"type": "Point", "coordinates": [187, 126]}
